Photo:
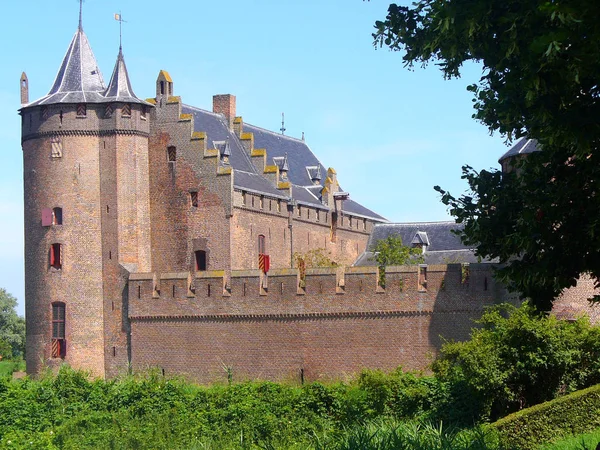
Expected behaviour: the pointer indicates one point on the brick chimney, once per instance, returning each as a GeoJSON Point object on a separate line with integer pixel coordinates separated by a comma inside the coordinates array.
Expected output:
{"type": "Point", "coordinates": [225, 104]}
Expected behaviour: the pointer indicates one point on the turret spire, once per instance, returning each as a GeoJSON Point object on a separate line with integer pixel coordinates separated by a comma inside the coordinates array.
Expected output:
{"type": "Point", "coordinates": [80, 10]}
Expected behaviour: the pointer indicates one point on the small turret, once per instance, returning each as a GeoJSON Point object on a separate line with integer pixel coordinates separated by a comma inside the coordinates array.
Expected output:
{"type": "Point", "coordinates": [164, 84]}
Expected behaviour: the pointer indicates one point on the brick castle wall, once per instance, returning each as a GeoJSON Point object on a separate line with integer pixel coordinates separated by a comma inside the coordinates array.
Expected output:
{"type": "Point", "coordinates": [337, 324]}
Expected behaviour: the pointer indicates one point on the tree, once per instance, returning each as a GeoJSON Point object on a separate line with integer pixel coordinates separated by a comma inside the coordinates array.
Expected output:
{"type": "Point", "coordinates": [519, 358]}
{"type": "Point", "coordinates": [12, 326]}
{"type": "Point", "coordinates": [541, 73]}
{"type": "Point", "coordinates": [392, 252]}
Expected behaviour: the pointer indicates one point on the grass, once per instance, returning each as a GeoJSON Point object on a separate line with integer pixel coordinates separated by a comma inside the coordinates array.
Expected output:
{"type": "Point", "coordinates": [586, 441]}
{"type": "Point", "coordinates": [8, 367]}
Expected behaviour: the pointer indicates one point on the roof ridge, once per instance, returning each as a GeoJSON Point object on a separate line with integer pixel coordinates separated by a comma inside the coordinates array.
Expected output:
{"type": "Point", "coordinates": [275, 133]}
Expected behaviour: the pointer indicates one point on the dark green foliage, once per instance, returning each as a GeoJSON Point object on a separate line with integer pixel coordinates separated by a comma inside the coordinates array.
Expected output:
{"type": "Point", "coordinates": [12, 326]}
{"type": "Point", "coordinates": [5, 350]}
{"type": "Point", "coordinates": [540, 78]}
{"type": "Point", "coordinates": [519, 358]}
{"type": "Point", "coordinates": [572, 414]}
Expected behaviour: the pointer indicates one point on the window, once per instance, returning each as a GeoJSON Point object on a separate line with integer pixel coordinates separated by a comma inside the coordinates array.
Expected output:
{"type": "Point", "coordinates": [81, 110]}
{"type": "Point", "coordinates": [108, 111]}
{"type": "Point", "coordinates": [422, 278]}
{"type": "Point", "coordinates": [243, 198]}
{"type": "Point", "coordinates": [57, 148]}
{"type": "Point", "coordinates": [365, 224]}
{"type": "Point", "coordinates": [350, 221]}
{"type": "Point", "coordinates": [58, 330]}
{"type": "Point", "coordinates": [162, 88]}
{"type": "Point", "coordinates": [126, 110]}
{"type": "Point", "coordinates": [58, 321]}
{"type": "Point", "coordinates": [56, 256]}
{"type": "Point", "coordinates": [57, 216]}
{"type": "Point", "coordinates": [299, 211]}
{"type": "Point", "coordinates": [278, 205]}
{"type": "Point", "coordinates": [194, 198]}
{"type": "Point", "coordinates": [317, 215]}
{"type": "Point", "coordinates": [171, 154]}
{"type": "Point", "coordinates": [144, 112]}
{"type": "Point", "coordinates": [262, 249]}
{"type": "Point", "coordinates": [200, 257]}
{"type": "Point", "coordinates": [262, 202]}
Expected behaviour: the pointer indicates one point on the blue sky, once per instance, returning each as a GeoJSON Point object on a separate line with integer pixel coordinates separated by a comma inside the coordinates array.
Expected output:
{"type": "Point", "coordinates": [390, 133]}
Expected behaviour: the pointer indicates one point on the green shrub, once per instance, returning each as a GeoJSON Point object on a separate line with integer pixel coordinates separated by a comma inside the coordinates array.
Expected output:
{"type": "Point", "coordinates": [575, 413]}
{"type": "Point", "coordinates": [518, 358]}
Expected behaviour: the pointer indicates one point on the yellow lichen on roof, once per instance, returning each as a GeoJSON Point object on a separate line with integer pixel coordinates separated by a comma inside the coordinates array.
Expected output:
{"type": "Point", "coordinates": [224, 171]}
{"type": "Point", "coordinates": [283, 185]}
{"type": "Point", "coordinates": [197, 135]}
{"type": "Point", "coordinates": [237, 119]}
{"type": "Point", "coordinates": [174, 99]}
{"type": "Point", "coordinates": [331, 170]}
{"type": "Point", "coordinates": [165, 75]}
{"type": "Point", "coordinates": [325, 190]}
{"type": "Point", "coordinates": [185, 117]}
{"type": "Point", "coordinates": [211, 153]}
{"type": "Point", "coordinates": [270, 169]}
{"type": "Point", "coordinates": [258, 151]}
{"type": "Point", "coordinates": [151, 100]}
{"type": "Point", "coordinates": [247, 136]}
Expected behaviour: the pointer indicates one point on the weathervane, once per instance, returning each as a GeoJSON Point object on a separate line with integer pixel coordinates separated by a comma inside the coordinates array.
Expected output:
{"type": "Point", "coordinates": [282, 129]}
{"type": "Point", "coordinates": [119, 19]}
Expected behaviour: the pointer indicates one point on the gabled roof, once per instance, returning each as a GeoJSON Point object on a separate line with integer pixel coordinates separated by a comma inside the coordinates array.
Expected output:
{"type": "Point", "coordinates": [283, 151]}
{"type": "Point", "coordinates": [79, 79]}
{"type": "Point", "coordinates": [119, 88]}
{"type": "Point", "coordinates": [523, 147]}
{"type": "Point", "coordinates": [443, 246]}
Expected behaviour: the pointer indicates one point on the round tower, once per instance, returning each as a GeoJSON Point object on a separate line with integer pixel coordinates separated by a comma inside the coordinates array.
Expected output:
{"type": "Point", "coordinates": [85, 188]}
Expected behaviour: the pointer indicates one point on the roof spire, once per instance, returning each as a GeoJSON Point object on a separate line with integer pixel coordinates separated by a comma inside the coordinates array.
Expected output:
{"type": "Point", "coordinates": [80, 8]}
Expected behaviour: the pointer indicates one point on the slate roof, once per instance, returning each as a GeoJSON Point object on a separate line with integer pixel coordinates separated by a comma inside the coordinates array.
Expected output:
{"type": "Point", "coordinates": [119, 88]}
{"type": "Point", "coordinates": [444, 247]}
{"type": "Point", "coordinates": [280, 150]}
{"type": "Point", "coordinates": [523, 147]}
{"type": "Point", "coordinates": [79, 79]}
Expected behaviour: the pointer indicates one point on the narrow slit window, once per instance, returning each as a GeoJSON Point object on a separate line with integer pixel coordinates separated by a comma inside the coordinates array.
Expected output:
{"type": "Point", "coordinates": [194, 198]}
{"type": "Point", "coordinates": [56, 256]}
{"type": "Point", "coordinates": [243, 198]}
{"type": "Point", "coordinates": [200, 257]}
{"type": "Point", "coordinates": [172, 154]}
{"type": "Point", "coordinates": [422, 278]}
{"type": "Point", "coordinates": [262, 249]}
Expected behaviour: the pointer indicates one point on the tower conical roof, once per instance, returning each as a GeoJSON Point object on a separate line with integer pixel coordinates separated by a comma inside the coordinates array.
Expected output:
{"type": "Point", "coordinates": [79, 79]}
{"type": "Point", "coordinates": [119, 88]}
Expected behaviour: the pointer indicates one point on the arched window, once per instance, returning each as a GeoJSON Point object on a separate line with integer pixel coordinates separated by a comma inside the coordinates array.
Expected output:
{"type": "Point", "coordinates": [262, 247]}
{"type": "Point", "coordinates": [58, 330]}
{"type": "Point", "coordinates": [57, 216]}
{"type": "Point", "coordinates": [200, 258]}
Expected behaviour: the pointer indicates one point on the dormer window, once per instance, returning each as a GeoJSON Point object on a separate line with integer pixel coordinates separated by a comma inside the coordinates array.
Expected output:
{"type": "Point", "coordinates": [81, 110]}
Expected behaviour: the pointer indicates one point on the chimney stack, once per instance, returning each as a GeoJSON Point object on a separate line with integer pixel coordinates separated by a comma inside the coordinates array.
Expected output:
{"type": "Point", "coordinates": [225, 104]}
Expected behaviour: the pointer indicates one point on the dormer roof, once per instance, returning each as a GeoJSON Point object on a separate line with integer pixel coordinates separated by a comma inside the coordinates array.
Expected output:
{"type": "Point", "coordinates": [79, 79]}
{"type": "Point", "coordinates": [119, 88]}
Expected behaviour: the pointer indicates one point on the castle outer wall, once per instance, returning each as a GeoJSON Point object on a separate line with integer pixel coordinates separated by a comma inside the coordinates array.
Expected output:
{"type": "Point", "coordinates": [330, 325]}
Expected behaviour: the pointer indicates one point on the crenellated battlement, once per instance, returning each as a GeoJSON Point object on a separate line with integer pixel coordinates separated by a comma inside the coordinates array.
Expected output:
{"type": "Point", "coordinates": [418, 289]}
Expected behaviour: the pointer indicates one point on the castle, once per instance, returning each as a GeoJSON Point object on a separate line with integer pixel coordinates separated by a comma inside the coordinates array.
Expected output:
{"type": "Point", "coordinates": [158, 234]}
